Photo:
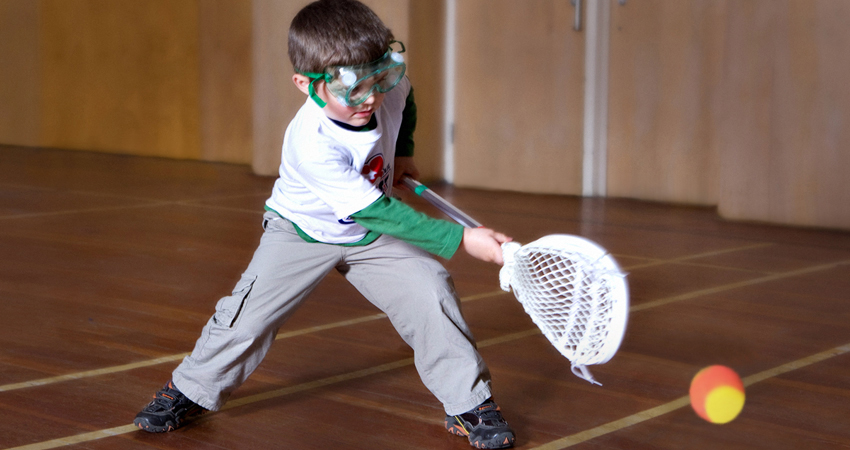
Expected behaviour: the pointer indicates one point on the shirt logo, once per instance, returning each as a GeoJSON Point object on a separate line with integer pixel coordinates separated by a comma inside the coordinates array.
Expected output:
{"type": "Point", "coordinates": [377, 174]}
{"type": "Point", "coordinates": [373, 170]}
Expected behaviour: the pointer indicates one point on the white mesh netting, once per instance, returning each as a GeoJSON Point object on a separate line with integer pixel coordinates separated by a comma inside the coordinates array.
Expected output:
{"type": "Point", "coordinates": [574, 292]}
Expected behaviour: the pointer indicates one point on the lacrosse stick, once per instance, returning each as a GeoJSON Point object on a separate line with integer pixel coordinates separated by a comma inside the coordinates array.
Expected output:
{"type": "Point", "coordinates": [571, 287]}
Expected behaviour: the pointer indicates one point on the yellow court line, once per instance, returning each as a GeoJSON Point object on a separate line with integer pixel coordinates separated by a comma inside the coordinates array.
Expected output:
{"type": "Point", "coordinates": [558, 444]}
{"type": "Point", "coordinates": [91, 373]}
{"type": "Point", "coordinates": [85, 210]}
{"type": "Point", "coordinates": [394, 409]}
{"type": "Point", "coordinates": [79, 438]}
{"type": "Point", "coordinates": [358, 374]}
{"type": "Point", "coordinates": [315, 384]}
{"type": "Point", "coordinates": [740, 284]}
{"type": "Point", "coordinates": [197, 204]}
{"type": "Point", "coordinates": [179, 356]}
{"type": "Point", "coordinates": [630, 420]}
{"type": "Point", "coordinates": [150, 203]}
{"type": "Point", "coordinates": [696, 256]}
{"type": "Point", "coordinates": [170, 358]}
{"type": "Point", "coordinates": [681, 402]}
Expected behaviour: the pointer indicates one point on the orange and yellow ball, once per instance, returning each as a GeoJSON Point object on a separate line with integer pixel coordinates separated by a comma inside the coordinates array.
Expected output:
{"type": "Point", "coordinates": [717, 394]}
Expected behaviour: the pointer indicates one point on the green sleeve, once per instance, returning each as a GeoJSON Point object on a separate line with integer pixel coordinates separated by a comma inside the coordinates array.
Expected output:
{"type": "Point", "coordinates": [404, 144]}
{"type": "Point", "coordinates": [390, 216]}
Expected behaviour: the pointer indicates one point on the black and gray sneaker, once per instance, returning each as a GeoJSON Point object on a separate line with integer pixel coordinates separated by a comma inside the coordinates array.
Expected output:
{"type": "Point", "coordinates": [483, 425]}
{"type": "Point", "coordinates": [167, 411]}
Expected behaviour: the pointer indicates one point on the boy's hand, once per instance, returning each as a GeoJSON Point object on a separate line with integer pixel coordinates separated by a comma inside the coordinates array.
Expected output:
{"type": "Point", "coordinates": [404, 165]}
{"type": "Point", "coordinates": [484, 244]}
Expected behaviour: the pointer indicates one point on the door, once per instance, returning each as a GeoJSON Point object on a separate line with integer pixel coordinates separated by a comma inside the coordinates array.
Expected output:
{"type": "Point", "coordinates": [665, 66]}
{"type": "Point", "coordinates": [519, 94]}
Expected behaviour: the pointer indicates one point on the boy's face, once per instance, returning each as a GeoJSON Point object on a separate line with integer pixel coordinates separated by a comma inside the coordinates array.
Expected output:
{"type": "Point", "coordinates": [356, 116]}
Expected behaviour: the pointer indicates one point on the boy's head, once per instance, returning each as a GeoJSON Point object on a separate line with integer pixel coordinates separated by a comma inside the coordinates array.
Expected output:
{"type": "Point", "coordinates": [340, 51]}
{"type": "Point", "coordinates": [336, 33]}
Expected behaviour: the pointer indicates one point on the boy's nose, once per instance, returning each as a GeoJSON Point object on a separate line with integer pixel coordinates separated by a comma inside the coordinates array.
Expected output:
{"type": "Point", "coordinates": [374, 97]}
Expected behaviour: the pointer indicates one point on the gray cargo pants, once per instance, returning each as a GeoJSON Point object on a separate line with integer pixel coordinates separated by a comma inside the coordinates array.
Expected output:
{"type": "Point", "coordinates": [403, 281]}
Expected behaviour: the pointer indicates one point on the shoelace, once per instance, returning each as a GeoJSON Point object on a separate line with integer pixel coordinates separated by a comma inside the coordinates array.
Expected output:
{"type": "Point", "coordinates": [165, 399]}
{"type": "Point", "coordinates": [489, 414]}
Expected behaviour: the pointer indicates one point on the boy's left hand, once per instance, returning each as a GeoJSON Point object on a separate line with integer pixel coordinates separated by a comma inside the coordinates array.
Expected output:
{"type": "Point", "coordinates": [404, 165]}
{"type": "Point", "coordinates": [484, 244]}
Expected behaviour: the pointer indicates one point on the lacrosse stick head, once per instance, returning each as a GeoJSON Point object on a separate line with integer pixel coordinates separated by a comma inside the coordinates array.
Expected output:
{"type": "Point", "coordinates": [574, 292]}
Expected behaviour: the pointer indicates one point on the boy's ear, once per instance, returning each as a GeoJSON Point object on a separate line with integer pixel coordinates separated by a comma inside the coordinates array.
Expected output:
{"type": "Point", "coordinates": [302, 82]}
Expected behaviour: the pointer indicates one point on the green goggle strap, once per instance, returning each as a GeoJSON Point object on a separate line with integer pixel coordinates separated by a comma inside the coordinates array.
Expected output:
{"type": "Point", "coordinates": [399, 43]}
{"type": "Point", "coordinates": [312, 90]}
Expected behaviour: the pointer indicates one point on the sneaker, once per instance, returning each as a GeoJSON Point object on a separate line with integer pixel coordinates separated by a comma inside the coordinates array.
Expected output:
{"type": "Point", "coordinates": [484, 425]}
{"type": "Point", "coordinates": [167, 411]}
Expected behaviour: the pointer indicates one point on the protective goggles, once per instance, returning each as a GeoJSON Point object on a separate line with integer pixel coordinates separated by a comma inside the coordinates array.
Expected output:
{"type": "Point", "coordinates": [352, 85]}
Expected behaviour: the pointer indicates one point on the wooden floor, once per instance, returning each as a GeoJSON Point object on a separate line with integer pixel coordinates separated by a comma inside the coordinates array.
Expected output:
{"type": "Point", "coordinates": [110, 265]}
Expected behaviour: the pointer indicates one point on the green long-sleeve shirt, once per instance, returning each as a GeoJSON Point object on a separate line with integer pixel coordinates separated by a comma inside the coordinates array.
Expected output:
{"type": "Point", "coordinates": [390, 216]}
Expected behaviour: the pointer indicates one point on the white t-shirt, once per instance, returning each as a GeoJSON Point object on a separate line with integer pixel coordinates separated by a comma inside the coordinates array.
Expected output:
{"type": "Point", "coordinates": [328, 173]}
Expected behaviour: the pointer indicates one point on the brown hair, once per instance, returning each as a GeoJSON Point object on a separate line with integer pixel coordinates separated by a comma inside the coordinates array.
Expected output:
{"type": "Point", "coordinates": [336, 33]}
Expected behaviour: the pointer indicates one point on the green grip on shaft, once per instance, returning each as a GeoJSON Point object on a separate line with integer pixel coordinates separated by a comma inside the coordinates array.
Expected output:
{"type": "Point", "coordinates": [420, 189]}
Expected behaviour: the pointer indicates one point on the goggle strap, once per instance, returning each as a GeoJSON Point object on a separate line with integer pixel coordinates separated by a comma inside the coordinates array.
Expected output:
{"type": "Point", "coordinates": [314, 96]}
{"type": "Point", "coordinates": [399, 43]}
{"type": "Point", "coordinates": [312, 89]}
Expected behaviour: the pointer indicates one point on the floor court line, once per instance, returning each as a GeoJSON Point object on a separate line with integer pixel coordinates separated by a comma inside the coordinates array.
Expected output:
{"type": "Point", "coordinates": [84, 210]}
{"type": "Point", "coordinates": [681, 402]}
{"type": "Point", "coordinates": [149, 203]}
{"type": "Point", "coordinates": [289, 334]}
{"type": "Point", "coordinates": [288, 390]}
{"type": "Point", "coordinates": [179, 356]}
{"type": "Point", "coordinates": [613, 426]}
{"type": "Point", "coordinates": [695, 256]}
{"type": "Point", "coordinates": [91, 373]}
{"type": "Point", "coordinates": [558, 444]}
{"type": "Point", "coordinates": [740, 284]}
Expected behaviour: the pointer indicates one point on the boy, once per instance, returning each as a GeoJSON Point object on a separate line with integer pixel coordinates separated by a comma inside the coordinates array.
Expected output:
{"type": "Point", "coordinates": [331, 208]}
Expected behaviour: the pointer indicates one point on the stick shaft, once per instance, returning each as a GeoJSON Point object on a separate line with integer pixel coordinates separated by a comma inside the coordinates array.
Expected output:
{"type": "Point", "coordinates": [440, 203]}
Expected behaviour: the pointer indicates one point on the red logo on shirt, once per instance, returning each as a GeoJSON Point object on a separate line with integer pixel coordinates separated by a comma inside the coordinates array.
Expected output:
{"type": "Point", "coordinates": [373, 170]}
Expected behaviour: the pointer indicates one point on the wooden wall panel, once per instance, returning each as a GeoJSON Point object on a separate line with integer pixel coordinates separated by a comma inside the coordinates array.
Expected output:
{"type": "Point", "coordinates": [785, 113]}
{"type": "Point", "coordinates": [206, 79]}
{"type": "Point", "coordinates": [664, 71]}
{"type": "Point", "coordinates": [740, 103]}
{"type": "Point", "coordinates": [519, 96]}
{"type": "Point", "coordinates": [226, 72]}
{"type": "Point", "coordinates": [425, 68]}
{"type": "Point", "coordinates": [20, 73]}
{"type": "Point", "coordinates": [275, 97]}
{"type": "Point", "coordinates": [121, 76]}
{"type": "Point", "coordinates": [395, 14]}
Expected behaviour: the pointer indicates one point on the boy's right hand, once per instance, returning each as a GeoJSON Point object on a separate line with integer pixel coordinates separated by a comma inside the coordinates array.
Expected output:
{"type": "Point", "coordinates": [484, 244]}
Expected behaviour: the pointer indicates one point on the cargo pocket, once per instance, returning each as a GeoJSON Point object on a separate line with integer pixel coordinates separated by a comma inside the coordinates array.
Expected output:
{"type": "Point", "coordinates": [228, 309]}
